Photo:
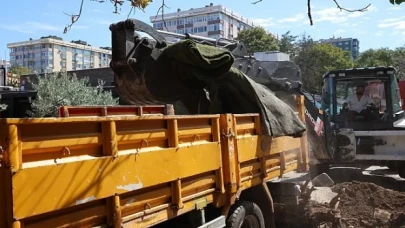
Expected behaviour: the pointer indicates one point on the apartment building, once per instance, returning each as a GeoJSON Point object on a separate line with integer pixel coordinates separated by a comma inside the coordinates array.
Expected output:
{"type": "Point", "coordinates": [5, 63]}
{"type": "Point", "coordinates": [347, 44]}
{"type": "Point", "coordinates": [51, 53]}
{"type": "Point", "coordinates": [213, 21]}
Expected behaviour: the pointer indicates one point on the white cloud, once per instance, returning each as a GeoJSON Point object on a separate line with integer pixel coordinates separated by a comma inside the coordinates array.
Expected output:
{"type": "Point", "coordinates": [295, 18]}
{"type": "Point", "coordinates": [30, 27]}
{"type": "Point", "coordinates": [336, 16]}
{"type": "Point", "coordinates": [265, 22]}
{"type": "Point", "coordinates": [42, 26]}
{"type": "Point", "coordinates": [393, 8]}
{"type": "Point", "coordinates": [379, 33]}
{"type": "Point", "coordinates": [331, 15]}
{"type": "Point", "coordinates": [395, 23]}
{"type": "Point", "coordinates": [339, 31]}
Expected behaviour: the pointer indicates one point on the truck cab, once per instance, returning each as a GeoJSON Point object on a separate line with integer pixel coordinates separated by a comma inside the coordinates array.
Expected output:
{"type": "Point", "coordinates": [372, 131]}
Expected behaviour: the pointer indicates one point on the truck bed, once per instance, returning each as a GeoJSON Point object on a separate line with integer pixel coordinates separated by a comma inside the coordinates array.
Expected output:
{"type": "Point", "coordinates": [133, 170]}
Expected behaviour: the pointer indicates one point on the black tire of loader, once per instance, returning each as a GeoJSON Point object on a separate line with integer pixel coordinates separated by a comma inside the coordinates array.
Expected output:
{"type": "Point", "coordinates": [244, 212]}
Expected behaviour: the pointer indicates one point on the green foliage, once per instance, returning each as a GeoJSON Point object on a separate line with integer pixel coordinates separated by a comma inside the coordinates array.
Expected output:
{"type": "Point", "coordinates": [383, 57]}
{"type": "Point", "coordinates": [375, 57]}
{"type": "Point", "coordinates": [20, 70]}
{"type": "Point", "coordinates": [59, 89]}
{"type": "Point", "coordinates": [397, 2]}
{"type": "Point", "coordinates": [316, 59]}
{"type": "Point", "coordinates": [287, 44]}
{"type": "Point", "coordinates": [257, 39]}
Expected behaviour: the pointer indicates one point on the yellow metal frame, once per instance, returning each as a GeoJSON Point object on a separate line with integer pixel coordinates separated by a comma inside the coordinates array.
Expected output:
{"type": "Point", "coordinates": [137, 171]}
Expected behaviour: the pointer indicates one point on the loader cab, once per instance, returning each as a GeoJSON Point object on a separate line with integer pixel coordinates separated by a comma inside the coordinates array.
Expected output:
{"type": "Point", "coordinates": [381, 98]}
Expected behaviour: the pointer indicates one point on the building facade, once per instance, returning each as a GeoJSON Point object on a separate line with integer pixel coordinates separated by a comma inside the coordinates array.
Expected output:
{"type": "Point", "coordinates": [209, 21]}
{"type": "Point", "coordinates": [5, 63]}
{"type": "Point", "coordinates": [51, 53]}
{"type": "Point", "coordinates": [351, 45]}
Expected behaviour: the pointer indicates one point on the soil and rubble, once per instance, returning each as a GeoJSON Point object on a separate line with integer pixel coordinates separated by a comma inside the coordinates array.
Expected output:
{"type": "Point", "coordinates": [350, 204]}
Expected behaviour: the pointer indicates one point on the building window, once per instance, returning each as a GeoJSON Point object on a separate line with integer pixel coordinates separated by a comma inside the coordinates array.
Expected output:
{"type": "Point", "coordinates": [189, 20]}
{"type": "Point", "coordinates": [158, 25]}
{"type": "Point", "coordinates": [214, 16]}
{"type": "Point", "coordinates": [180, 21]}
{"type": "Point", "coordinates": [214, 27]}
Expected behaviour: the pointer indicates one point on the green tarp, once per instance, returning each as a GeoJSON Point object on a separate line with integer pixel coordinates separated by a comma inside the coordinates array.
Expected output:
{"type": "Point", "coordinates": [230, 90]}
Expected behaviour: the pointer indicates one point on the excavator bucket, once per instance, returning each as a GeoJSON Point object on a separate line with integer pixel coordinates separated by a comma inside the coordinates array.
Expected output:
{"type": "Point", "coordinates": [134, 61]}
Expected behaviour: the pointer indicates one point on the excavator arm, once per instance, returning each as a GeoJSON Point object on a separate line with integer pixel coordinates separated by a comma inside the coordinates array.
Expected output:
{"type": "Point", "coordinates": [135, 57]}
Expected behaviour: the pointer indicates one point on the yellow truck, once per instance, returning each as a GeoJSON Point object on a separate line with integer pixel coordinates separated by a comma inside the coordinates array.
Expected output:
{"type": "Point", "coordinates": [130, 166]}
{"type": "Point", "coordinates": [142, 170]}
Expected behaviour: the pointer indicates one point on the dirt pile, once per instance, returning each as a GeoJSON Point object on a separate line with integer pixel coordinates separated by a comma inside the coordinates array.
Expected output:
{"type": "Point", "coordinates": [360, 205]}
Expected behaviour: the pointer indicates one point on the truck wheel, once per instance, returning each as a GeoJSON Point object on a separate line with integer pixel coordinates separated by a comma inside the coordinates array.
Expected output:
{"type": "Point", "coordinates": [245, 214]}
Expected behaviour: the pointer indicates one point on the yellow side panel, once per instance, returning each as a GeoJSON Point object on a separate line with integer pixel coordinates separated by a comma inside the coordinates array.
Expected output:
{"type": "Point", "coordinates": [253, 146]}
{"type": "Point", "coordinates": [48, 188]}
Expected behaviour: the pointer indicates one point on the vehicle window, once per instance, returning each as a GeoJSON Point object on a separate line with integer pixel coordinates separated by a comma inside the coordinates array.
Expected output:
{"type": "Point", "coordinates": [373, 88]}
{"type": "Point", "coordinates": [327, 96]}
{"type": "Point", "coordinates": [376, 91]}
{"type": "Point", "coordinates": [396, 96]}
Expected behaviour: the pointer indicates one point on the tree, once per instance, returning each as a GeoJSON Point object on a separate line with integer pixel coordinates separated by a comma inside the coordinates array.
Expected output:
{"type": "Point", "coordinates": [60, 89]}
{"type": "Point", "coordinates": [375, 57]}
{"type": "Point", "coordinates": [20, 70]}
{"type": "Point", "coordinates": [399, 61]}
{"type": "Point", "coordinates": [287, 44]}
{"type": "Point", "coordinates": [257, 39]}
{"type": "Point", "coordinates": [316, 59]}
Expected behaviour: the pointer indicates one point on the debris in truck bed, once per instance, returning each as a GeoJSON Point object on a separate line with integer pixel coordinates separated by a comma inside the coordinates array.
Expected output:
{"type": "Point", "coordinates": [231, 91]}
{"type": "Point", "coordinates": [361, 205]}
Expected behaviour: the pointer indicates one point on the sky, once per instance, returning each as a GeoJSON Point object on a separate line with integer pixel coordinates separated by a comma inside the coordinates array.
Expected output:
{"type": "Point", "coordinates": [382, 25]}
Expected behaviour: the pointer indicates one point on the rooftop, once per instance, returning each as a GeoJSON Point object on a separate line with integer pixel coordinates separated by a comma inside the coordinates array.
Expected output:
{"type": "Point", "coordinates": [211, 8]}
{"type": "Point", "coordinates": [79, 44]}
{"type": "Point", "coordinates": [334, 39]}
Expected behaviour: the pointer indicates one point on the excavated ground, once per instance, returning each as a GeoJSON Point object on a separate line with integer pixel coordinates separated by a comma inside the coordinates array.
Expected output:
{"type": "Point", "coordinates": [361, 204]}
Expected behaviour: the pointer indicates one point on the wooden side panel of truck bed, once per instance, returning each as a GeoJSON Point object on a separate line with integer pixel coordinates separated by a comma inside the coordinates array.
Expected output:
{"type": "Point", "coordinates": [137, 171]}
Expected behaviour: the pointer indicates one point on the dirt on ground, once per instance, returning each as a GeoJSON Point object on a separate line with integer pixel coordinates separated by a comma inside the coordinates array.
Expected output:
{"type": "Point", "coordinates": [358, 204]}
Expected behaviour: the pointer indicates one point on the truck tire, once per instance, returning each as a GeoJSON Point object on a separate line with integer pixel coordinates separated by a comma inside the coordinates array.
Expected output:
{"type": "Point", "coordinates": [245, 214]}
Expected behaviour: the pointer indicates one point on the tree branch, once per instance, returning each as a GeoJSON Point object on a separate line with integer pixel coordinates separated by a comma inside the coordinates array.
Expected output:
{"type": "Point", "coordinates": [74, 18]}
{"type": "Point", "coordinates": [309, 12]}
{"type": "Point", "coordinates": [256, 2]}
{"type": "Point", "coordinates": [162, 8]}
{"type": "Point", "coordinates": [351, 11]}
{"type": "Point", "coordinates": [336, 3]}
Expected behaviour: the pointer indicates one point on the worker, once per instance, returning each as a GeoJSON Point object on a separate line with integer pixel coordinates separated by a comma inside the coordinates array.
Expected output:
{"type": "Point", "coordinates": [357, 104]}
